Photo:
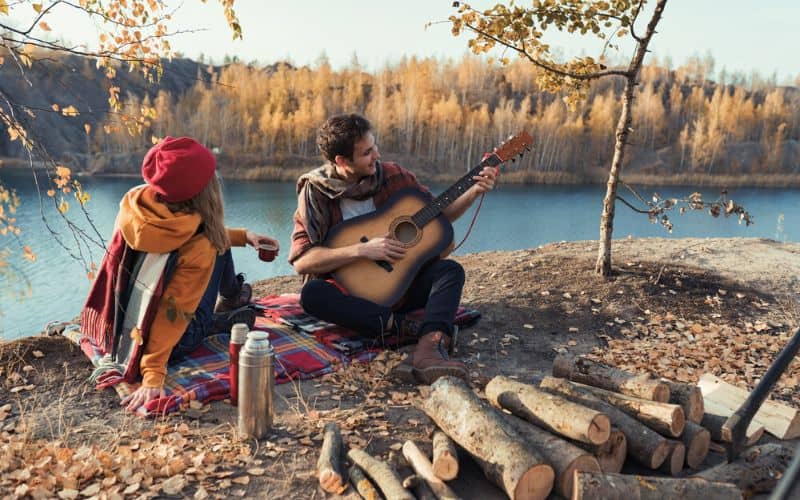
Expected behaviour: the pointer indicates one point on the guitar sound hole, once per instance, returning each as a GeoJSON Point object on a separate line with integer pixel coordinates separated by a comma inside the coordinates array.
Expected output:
{"type": "Point", "coordinates": [405, 232]}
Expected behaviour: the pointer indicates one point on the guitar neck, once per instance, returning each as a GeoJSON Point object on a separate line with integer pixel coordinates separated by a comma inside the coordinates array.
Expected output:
{"type": "Point", "coordinates": [435, 207]}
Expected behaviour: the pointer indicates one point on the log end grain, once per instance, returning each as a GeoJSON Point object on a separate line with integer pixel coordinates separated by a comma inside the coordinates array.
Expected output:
{"type": "Point", "coordinates": [584, 463]}
{"type": "Point", "coordinates": [673, 465]}
{"type": "Point", "coordinates": [611, 455]}
{"type": "Point", "coordinates": [660, 454]}
{"type": "Point", "coordinates": [536, 483]}
{"type": "Point", "coordinates": [445, 467]}
{"type": "Point", "coordinates": [678, 422]}
{"type": "Point", "coordinates": [600, 429]}
{"type": "Point", "coordinates": [660, 392]}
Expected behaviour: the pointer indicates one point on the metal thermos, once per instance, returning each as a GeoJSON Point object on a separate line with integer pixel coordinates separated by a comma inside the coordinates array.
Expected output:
{"type": "Point", "coordinates": [238, 336]}
{"type": "Point", "coordinates": [256, 383]}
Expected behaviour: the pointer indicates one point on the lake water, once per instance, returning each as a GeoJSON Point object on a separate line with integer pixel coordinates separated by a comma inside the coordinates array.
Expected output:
{"type": "Point", "coordinates": [512, 217]}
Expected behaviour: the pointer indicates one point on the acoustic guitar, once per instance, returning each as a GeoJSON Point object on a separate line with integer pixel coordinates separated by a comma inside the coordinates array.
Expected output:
{"type": "Point", "coordinates": [416, 222]}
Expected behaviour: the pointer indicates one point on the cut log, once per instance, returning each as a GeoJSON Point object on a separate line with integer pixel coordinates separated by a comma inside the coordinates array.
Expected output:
{"type": "Point", "coordinates": [564, 457]}
{"type": "Point", "coordinates": [381, 473]}
{"type": "Point", "coordinates": [607, 377]}
{"type": "Point", "coordinates": [644, 444]}
{"type": "Point", "coordinates": [504, 456]}
{"type": "Point", "coordinates": [550, 411]}
{"type": "Point", "coordinates": [665, 418]}
{"type": "Point", "coordinates": [445, 457]}
{"type": "Point", "coordinates": [329, 464]}
{"type": "Point", "coordinates": [424, 470]}
{"type": "Point", "coordinates": [715, 425]}
{"type": "Point", "coordinates": [757, 470]}
{"type": "Point", "coordinates": [362, 485]}
{"type": "Point", "coordinates": [697, 440]}
{"type": "Point", "coordinates": [724, 399]}
{"type": "Point", "coordinates": [419, 487]}
{"type": "Point", "coordinates": [689, 397]}
{"type": "Point", "coordinates": [611, 454]}
{"type": "Point", "coordinates": [673, 465]}
{"type": "Point", "coordinates": [592, 486]}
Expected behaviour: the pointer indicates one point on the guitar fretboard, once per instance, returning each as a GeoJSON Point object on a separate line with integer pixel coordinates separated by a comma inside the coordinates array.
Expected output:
{"type": "Point", "coordinates": [435, 207]}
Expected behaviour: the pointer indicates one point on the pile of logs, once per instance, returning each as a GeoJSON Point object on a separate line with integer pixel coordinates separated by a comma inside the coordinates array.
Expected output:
{"type": "Point", "coordinates": [571, 434]}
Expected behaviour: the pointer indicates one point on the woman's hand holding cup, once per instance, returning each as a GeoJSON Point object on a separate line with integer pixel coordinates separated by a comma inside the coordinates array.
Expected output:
{"type": "Point", "coordinates": [267, 247]}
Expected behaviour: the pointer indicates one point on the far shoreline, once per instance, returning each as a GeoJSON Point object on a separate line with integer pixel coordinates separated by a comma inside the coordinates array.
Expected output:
{"type": "Point", "coordinates": [598, 176]}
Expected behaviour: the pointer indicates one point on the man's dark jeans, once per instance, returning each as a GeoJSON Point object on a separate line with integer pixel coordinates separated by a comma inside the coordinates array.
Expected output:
{"type": "Point", "coordinates": [224, 282]}
{"type": "Point", "coordinates": [437, 288]}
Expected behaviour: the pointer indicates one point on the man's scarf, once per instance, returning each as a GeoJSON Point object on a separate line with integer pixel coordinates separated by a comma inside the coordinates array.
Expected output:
{"type": "Point", "coordinates": [323, 185]}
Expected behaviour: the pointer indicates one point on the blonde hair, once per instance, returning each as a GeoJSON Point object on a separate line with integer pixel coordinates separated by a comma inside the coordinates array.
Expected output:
{"type": "Point", "coordinates": [208, 203]}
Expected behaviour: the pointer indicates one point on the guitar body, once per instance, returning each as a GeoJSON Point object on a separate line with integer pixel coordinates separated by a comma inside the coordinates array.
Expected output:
{"type": "Point", "coordinates": [381, 282]}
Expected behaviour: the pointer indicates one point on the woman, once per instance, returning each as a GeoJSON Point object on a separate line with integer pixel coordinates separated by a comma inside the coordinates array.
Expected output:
{"type": "Point", "coordinates": [177, 215]}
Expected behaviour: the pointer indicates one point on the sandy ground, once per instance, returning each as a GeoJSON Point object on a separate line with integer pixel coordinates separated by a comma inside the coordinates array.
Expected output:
{"type": "Point", "coordinates": [535, 303]}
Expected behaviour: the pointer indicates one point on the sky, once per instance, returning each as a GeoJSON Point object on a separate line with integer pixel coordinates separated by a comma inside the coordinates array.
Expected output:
{"type": "Point", "coordinates": [741, 35]}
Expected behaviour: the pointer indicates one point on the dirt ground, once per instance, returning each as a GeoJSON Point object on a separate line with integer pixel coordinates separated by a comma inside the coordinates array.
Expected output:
{"type": "Point", "coordinates": [535, 303]}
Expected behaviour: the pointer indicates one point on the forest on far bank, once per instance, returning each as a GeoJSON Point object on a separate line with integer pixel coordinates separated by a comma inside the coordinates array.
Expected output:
{"type": "Point", "coordinates": [691, 125]}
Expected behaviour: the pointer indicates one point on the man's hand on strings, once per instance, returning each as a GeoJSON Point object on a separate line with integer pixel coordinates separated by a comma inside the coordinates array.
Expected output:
{"type": "Point", "coordinates": [383, 248]}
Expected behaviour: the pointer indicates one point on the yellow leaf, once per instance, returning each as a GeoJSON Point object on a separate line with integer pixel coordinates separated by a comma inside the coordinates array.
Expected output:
{"type": "Point", "coordinates": [3, 7]}
{"type": "Point", "coordinates": [37, 7]}
{"type": "Point", "coordinates": [55, 107]}
{"type": "Point", "coordinates": [63, 206]}
{"type": "Point", "coordinates": [44, 26]}
{"type": "Point", "coordinates": [70, 111]}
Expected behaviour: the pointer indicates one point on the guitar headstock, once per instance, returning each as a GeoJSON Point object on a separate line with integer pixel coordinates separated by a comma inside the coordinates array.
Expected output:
{"type": "Point", "coordinates": [514, 146]}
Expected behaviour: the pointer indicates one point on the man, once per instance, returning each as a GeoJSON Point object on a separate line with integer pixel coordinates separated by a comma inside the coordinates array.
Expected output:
{"type": "Point", "coordinates": [354, 182]}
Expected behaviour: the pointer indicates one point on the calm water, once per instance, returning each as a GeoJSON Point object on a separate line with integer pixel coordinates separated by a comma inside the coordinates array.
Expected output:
{"type": "Point", "coordinates": [512, 217]}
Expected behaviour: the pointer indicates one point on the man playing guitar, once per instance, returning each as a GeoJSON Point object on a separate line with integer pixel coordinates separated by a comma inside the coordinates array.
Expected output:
{"type": "Point", "coordinates": [354, 182]}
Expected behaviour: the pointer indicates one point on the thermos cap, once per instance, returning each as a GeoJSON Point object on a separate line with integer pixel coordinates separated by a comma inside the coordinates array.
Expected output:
{"type": "Point", "coordinates": [239, 333]}
{"type": "Point", "coordinates": [257, 342]}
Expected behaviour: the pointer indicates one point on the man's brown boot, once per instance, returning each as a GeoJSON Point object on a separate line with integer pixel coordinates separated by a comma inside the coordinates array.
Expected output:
{"type": "Point", "coordinates": [430, 359]}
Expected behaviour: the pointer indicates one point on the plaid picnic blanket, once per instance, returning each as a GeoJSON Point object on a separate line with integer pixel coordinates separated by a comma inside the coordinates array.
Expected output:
{"type": "Point", "coordinates": [303, 348]}
{"type": "Point", "coordinates": [203, 375]}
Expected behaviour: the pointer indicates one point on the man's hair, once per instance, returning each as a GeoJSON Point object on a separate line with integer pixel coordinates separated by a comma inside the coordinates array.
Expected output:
{"type": "Point", "coordinates": [339, 134]}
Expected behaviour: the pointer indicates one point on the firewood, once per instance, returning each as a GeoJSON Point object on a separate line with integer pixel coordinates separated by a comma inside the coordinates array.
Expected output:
{"type": "Point", "coordinates": [506, 459]}
{"type": "Point", "coordinates": [665, 418]}
{"type": "Point", "coordinates": [593, 485]}
{"type": "Point", "coordinates": [611, 454]}
{"type": "Point", "coordinates": [757, 470]}
{"type": "Point", "coordinates": [550, 411]}
{"type": "Point", "coordinates": [445, 457]}
{"type": "Point", "coordinates": [689, 397]}
{"type": "Point", "coordinates": [697, 440]}
{"type": "Point", "coordinates": [381, 473]}
{"type": "Point", "coordinates": [564, 457]}
{"type": "Point", "coordinates": [673, 465]}
{"type": "Point", "coordinates": [420, 488]}
{"type": "Point", "coordinates": [362, 485]}
{"type": "Point", "coordinates": [715, 425]}
{"type": "Point", "coordinates": [644, 444]}
{"type": "Point", "coordinates": [329, 465]}
{"type": "Point", "coordinates": [424, 470]}
{"type": "Point", "coordinates": [603, 376]}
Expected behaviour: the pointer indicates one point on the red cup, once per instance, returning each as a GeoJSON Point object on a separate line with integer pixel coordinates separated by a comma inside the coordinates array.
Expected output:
{"type": "Point", "coordinates": [267, 251]}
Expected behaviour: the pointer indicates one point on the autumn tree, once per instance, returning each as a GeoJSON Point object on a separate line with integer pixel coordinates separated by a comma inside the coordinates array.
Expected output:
{"type": "Point", "coordinates": [132, 35]}
{"type": "Point", "coordinates": [522, 29]}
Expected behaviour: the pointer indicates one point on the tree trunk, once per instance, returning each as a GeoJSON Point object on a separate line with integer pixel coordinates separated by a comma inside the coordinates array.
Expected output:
{"type": "Point", "coordinates": [665, 418]}
{"type": "Point", "coordinates": [673, 465]}
{"type": "Point", "coordinates": [603, 265]}
{"type": "Point", "coordinates": [645, 445]}
{"type": "Point", "coordinates": [607, 377]}
{"type": "Point", "coordinates": [690, 397]}
{"type": "Point", "coordinates": [564, 457]}
{"type": "Point", "coordinates": [381, 473]}
{"type": "Point", "coordinates": [697, 440]}
{"type": "Point", "coordinates": [716, 426]}
{"type": "Point", "coordinates": [611, 454]}
{"type": "Point", "coordinates": [757, 470]}
{"type": "Point", "coordinates": [591, 486]}
{"type": "Point", "coordinates": [329, 465]}
{"type": "Point", "coordinates": [505, 458]}
{"type": "Point", "coordinates": [424, 470]}
{"type": "Point", "coordinates": [362, 485]}
{"type": "Point", "coordinates": [549, 411]}
{"type": "Point", "coordinates": [445, 457]}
